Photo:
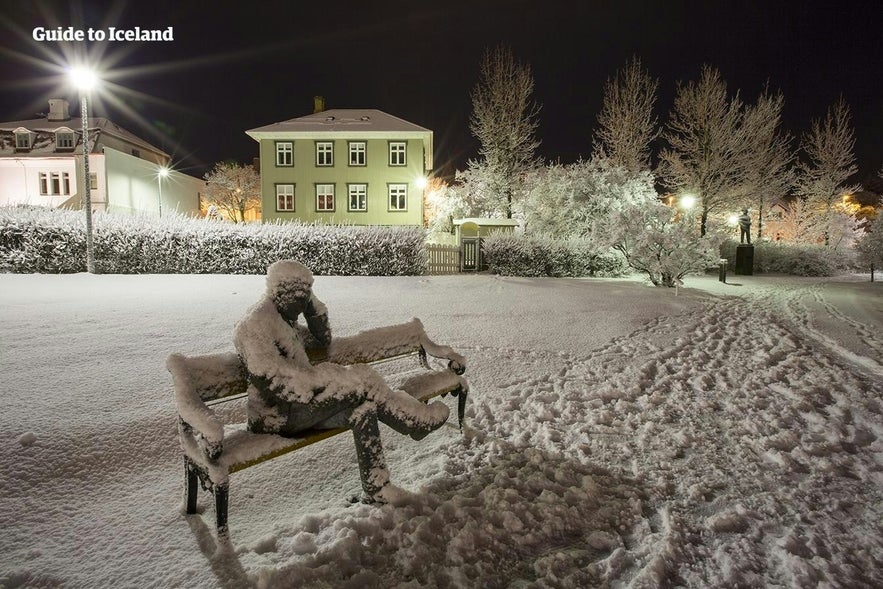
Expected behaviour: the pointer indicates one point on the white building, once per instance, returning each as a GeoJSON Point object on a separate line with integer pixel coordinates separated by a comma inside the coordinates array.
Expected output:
{"type": "Point", "coordinates": [41, 163]}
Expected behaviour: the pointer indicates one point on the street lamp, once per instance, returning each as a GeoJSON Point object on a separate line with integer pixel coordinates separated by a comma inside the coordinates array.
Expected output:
{"type": "Point", "coordinates": [85, 80]}
{"type": "Point", "coordinates": [160, 174]}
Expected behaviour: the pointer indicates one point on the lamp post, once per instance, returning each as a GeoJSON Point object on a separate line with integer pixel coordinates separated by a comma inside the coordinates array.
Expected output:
{"type": "Point", "coordinates": [161, 173]}
{"type": "Point", "coordinates": [85, 80]}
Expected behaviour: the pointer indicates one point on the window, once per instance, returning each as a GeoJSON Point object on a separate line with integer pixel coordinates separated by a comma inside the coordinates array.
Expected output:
{"type": "Point", "coordinates": [22, 140]}
{"type": "Point", "coordinates": [398, 197]}
{"type": "Point", "coordinates": [397, 151]}
{"type": "Point", "coordinates": [64, 140]}
{"type": "Point", "coordinates": [358, 197]}
{"type": "Point", "coordinates": [357, 153]}
{"type": "Point", "coordinates": [284, 153]}
{"type": "Point", "coordinates": [93, 181]}
{"type": "Point", "coordinates": [324, 153]}
{"type": "Point", "coordinates": [55, 183]}
{"type": "Point", "coordinates": [325, 198]}
{"type": "Point", "coordinates": [285, 197]}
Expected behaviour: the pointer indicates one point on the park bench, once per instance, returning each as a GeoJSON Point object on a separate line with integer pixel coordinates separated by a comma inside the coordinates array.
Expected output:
{"type": "Point", "coordinates": [214, 450]}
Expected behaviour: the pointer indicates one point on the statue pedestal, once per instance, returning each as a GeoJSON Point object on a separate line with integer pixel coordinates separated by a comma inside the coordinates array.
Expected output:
{"type": "Point", "coordinates": [744, 259]}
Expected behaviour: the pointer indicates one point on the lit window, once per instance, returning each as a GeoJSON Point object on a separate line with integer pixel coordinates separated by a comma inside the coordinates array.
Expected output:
{"type": "Point", "coordinates": [358, 197]}
{"type": "Point", "coordinates": [324, 153]}
{"type": "Point", "coordinates": [64, 140]}
{"type": "Point", "coordinates": [357, 153]}
{"type": "Point", "coordinates": [285, 197]}
{"type": "Point", "coordinates": [397, 151]}
{"type": "Point", "coordinates": [398, 197]}
{"type": "Point", "coordinates": [44, 183]}
{"type": "Point", "coordinates": [65, 183]}
{"type": "Point", "coordinates": [23, 140]}
{"type": "Point", "coordinates": [325, 198]}
{"type": "Point", "coordinates": [284, 154]}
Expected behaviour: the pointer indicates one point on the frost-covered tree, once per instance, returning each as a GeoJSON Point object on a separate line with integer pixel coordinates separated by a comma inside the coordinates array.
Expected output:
{"type": "Point", "coordinates": [798, 224]}
{"type": "Point", "coordinates": [504, 120]}
{"type": "Point", "coordinates": [708, 152]}
{"type": "Point", "coordinates": [654, 241]}
{"type": "Point", "coordinates": [234, 189]}
{"type": "Point", "coordinates": [771, 176]}
{"type": "Point", "coordinates": [823, 178]}
{"type": "Point", "coordinates": [627, 124]}
{"type": "Point", "coordinates": [870, 246]}
{"type": "Point", "coordinates": [443, 204]}
{"type": "Point", "coordinates": [568, 200]}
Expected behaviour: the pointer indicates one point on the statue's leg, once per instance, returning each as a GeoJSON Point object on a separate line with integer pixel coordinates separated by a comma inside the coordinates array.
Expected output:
{"type": "Point", "coordinates": [369, 450]}
{"type": "Point", "coordinates": [410, 416]}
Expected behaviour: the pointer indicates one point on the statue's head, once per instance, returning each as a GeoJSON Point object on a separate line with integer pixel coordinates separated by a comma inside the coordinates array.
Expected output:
{"type": "Point", "coordinates": [290, 286]}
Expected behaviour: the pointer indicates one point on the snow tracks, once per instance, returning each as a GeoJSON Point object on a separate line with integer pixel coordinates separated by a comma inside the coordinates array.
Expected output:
{"type": "Point", "coordinates": [737, 446]}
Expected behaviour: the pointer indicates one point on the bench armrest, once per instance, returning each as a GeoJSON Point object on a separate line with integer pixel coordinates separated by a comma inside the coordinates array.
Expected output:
{"type": "Point", "coordinates": [191, 408]}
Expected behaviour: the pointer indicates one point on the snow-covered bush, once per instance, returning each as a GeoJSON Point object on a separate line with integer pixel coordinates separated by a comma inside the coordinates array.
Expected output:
{"type": "Point", "coordinates": [779, 257]}
{"type": "Point", "coordinates": [655, 242]}
{"type": "Point", "coordinates": [511, 254]}
{"type": "Point", "coordinates": [53, 241]}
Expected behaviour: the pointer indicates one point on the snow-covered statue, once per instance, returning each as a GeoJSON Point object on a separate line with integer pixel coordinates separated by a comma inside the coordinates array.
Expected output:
{"type": "Point", "coordinates": [288, 394]}
{"type": "Point", "coordinates": [744, 227]}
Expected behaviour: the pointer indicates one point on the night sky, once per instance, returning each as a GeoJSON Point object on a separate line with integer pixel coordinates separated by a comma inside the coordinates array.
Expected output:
{"type": "Point", "coordinates": [234, 66]}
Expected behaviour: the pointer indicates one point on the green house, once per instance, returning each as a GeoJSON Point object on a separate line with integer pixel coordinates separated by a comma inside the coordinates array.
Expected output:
{"type": "Point", "coordinates": [354, 166]}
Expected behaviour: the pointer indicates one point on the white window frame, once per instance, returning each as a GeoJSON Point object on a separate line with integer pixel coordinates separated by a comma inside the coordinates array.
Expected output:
{"type": "Point", "coordinates": [358, 153]}
{"type": "Point", "coordinates": [285, 191]}
{"type": "Point", "coordinates": [398, 153]}
{"type": "Point", "coordinates": [399, 192]}
{"type": "Point", "coordinates": [24, 140]}
{"type": "Point", "coordinates": [324, 153]}
{"type": "Point", "coordinates": [93, 181]}
{"type": "Point", "coordinates": [284, 154]}
{"type": "Point", "coordinates": [325, 190]}
{"type": "Point", "coordinates": [359, 192]}
{"type": "Point", "coordinates": [64, 140]}
{"type": "Point", "coordinates": [54, 183]}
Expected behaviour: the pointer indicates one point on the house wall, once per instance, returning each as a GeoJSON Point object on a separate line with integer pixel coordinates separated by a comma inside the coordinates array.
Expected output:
{"type": "Point", "coordinates": [20, 180]}
{"type": "Point", "coordinates": [377, 174]}
{"type": "Point", "coordinates": [134, 187]}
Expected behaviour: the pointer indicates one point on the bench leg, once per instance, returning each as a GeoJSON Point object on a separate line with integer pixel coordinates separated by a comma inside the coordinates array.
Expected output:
{"type": "Point", "coordinates": [191, 482]}
{"type": "Point", "coordinates": [461, 407]}
{"type": "Point", "coordinates": [221, 494]}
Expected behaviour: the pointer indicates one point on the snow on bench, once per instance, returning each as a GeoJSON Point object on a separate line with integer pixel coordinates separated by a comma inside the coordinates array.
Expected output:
{"type": "Point", "coordinates": [214, 450]}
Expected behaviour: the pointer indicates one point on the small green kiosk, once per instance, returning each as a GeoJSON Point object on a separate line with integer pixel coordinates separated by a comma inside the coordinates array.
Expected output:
{"type": "Point", "coordinates": [469, 234]}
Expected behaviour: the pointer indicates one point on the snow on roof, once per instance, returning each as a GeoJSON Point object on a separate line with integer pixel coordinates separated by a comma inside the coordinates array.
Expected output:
{"type": "Point", "coordinates": [343, 120]}
{"type": "Point", "coordinates": [97, 125]}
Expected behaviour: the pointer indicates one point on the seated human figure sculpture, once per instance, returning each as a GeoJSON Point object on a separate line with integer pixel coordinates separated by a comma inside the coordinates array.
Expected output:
{"type": "Point", "coordinates": [287, 394]}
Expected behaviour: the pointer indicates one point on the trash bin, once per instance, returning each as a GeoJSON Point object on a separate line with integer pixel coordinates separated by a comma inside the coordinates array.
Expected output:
{"type": "Point", "coordinates": [722, 270]}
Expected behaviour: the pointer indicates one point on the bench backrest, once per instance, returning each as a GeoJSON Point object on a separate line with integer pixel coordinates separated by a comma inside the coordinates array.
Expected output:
{"type": "Point", "coordinates": [210, 377]}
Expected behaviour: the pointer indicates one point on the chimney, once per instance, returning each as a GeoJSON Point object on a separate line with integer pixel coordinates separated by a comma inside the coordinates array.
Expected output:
{"type": "Point", "coordinates": [59, 110]}
{"type": "Point", "coordinates": [318, 104]}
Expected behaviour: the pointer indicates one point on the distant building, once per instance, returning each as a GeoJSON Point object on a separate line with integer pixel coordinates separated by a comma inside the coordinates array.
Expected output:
{"type": "Point", "coordinates": [355, 166]}
{"type": "Point", "coordinates": [41, 163]}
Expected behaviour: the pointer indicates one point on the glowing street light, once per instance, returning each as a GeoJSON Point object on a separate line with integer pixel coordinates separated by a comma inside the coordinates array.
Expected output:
{"type": "Point", "coordinates": [421, 182]}
{"type": "Point", "coordinates": [85, 80]}
{"type": "Point", "coordinates": [163, 172]}
{"type": "Point", "coordinates": [688, 201]}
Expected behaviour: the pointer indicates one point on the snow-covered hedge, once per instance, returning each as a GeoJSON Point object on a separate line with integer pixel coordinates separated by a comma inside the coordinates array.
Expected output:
{"type": "Point", "coordinates": [790, 258]}
{"type": "Point", "coordinates": [511, 254]}
{"type": "Point", "coordinates": [53, 241]}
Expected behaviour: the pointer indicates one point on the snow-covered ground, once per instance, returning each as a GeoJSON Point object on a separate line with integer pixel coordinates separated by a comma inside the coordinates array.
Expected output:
{"type": "Point", "coordinates": [618, 435]}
